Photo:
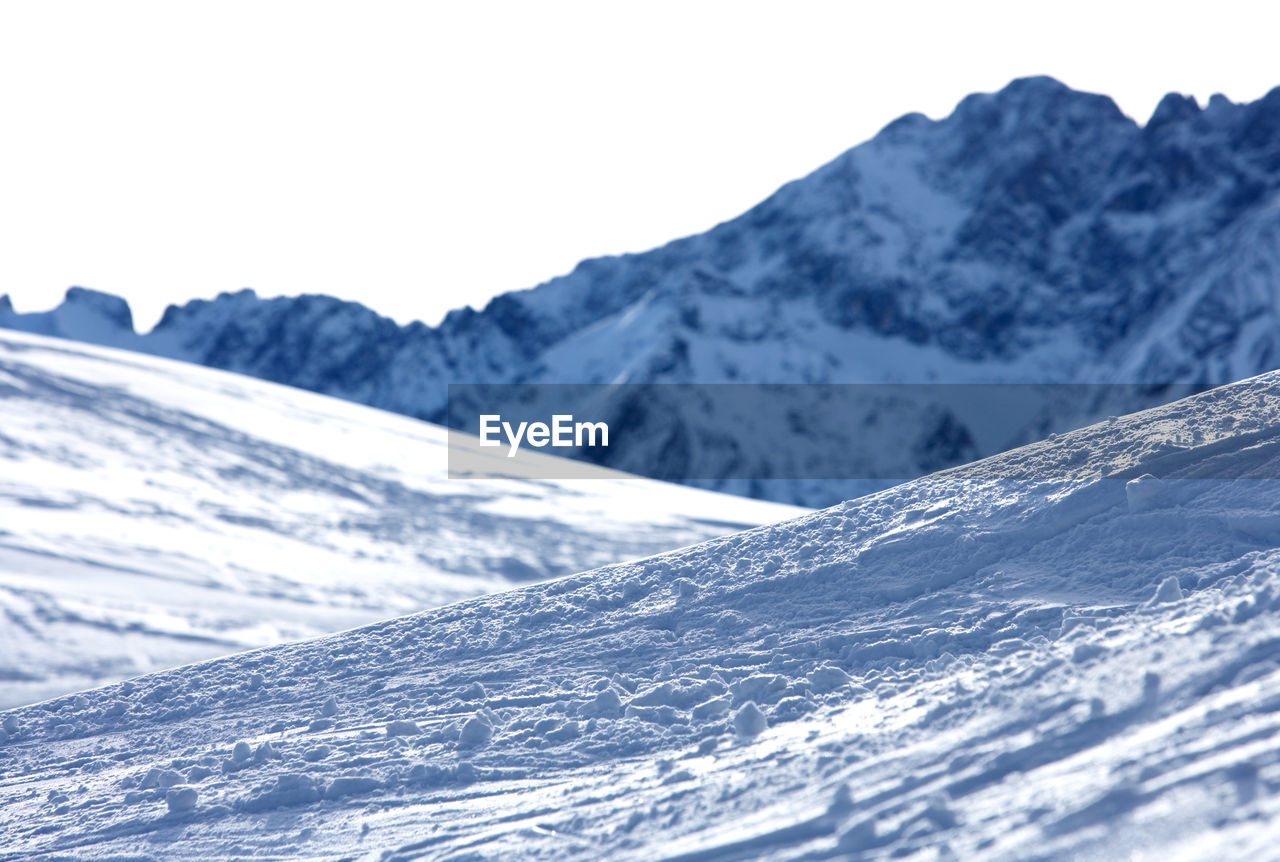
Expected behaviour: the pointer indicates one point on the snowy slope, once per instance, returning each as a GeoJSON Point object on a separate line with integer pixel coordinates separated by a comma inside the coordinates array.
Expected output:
{"type": "Point", "coordinates": [154, 513]}
{"type": "Point", "coordinates": [1036, 234]}
{"type": "Point", "coordinates": [1043, 655]}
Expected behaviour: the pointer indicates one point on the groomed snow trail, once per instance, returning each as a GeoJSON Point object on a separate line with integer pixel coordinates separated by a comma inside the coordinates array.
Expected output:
{"type": "Point", "coordinates": [1025, 658]}
{"type": "Point", "coordinates": [155, 513]}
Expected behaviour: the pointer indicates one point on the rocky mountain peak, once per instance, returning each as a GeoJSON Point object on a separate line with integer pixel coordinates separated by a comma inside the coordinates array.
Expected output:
{"type": "Point", "coordinates": [1036, 234]}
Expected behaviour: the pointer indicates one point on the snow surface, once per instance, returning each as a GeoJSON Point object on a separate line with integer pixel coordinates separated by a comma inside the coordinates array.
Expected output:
{"type": "Point", "coordinates": [999, 661]}
{"type": "Point", "coordinates": [155, 513]}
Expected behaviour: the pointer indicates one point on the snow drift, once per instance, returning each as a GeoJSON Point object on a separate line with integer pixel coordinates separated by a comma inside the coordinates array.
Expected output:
{"type": "Point", "coordinates": [154, 513]}
{"type": "Point", "coordinates": [1071, 650]}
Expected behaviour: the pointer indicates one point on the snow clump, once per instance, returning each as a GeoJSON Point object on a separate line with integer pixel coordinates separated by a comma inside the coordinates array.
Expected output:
{"type": "Point", "coordinates": [749, 721]}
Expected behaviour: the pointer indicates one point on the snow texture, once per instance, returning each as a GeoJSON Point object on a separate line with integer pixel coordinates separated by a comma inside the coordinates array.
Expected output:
{"type": "Point", "coordinates": [970, 665]}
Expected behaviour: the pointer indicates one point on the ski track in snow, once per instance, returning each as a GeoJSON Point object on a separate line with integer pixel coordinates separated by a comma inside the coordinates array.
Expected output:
{"type": "Point", "coordinates": [1025, 658]}
{"type": "Point", "coordinates": [154, 513]}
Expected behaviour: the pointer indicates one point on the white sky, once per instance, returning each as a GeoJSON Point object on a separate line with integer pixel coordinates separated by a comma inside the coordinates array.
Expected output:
{"type": "Point", "coordinates": [418, 157]}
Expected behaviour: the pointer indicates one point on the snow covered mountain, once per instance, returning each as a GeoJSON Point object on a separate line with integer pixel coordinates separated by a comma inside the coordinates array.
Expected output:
{"type": "Point", "coordinates": [154, 513]}
{"type": "Point", "coordinates": [1068, 651]}
{"type": "Point", "coordinates": [1036, 234]}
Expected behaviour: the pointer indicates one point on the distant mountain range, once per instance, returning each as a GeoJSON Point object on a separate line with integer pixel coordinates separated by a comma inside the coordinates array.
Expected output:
{"type": "Point", "coordinates": [1035, 235]}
